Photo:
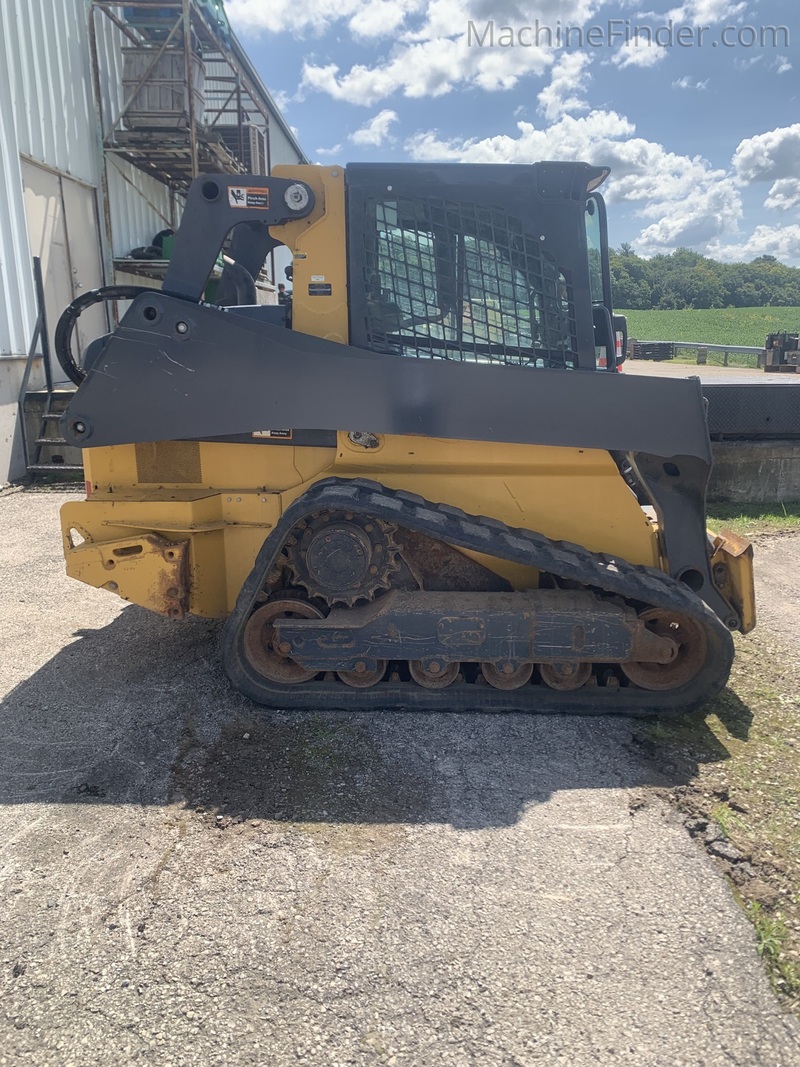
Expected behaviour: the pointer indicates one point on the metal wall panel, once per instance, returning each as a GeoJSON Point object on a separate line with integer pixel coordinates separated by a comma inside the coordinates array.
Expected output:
{"type": "Point", "coordinates": [17, 301]}
{"type": "Point", "coordinates": [48, 67]}
{"type": "Point", "coordinates": [281, 149]}
{"type": "Point", "coordinates": [140, 207]}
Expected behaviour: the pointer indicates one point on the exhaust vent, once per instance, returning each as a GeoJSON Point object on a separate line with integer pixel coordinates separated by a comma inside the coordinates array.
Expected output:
{"type": "Point", "coordinates": [168, 461]}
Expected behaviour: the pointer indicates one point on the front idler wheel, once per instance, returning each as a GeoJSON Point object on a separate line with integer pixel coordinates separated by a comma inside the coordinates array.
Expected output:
{"type": "Point", "coordinates": [691, 656]}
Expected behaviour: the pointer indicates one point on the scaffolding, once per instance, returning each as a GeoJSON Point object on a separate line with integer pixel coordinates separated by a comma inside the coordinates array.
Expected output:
{"type": "Point", "coordinates": [190, 105]}
{"type": "Point", "coordinates": [191, 102]}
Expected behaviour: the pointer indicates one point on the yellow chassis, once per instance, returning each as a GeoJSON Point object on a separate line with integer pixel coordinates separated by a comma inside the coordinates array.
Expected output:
{"type": "Point", "coordinates": [187, 544]}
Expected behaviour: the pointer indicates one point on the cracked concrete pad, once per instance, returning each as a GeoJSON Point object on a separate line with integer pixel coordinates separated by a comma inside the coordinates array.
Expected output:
{"type": "Point", "coordinates": [189, 880]}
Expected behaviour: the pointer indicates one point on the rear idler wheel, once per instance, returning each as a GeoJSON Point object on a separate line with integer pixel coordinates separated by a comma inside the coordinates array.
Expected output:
{"type": "Point", "coordinates": [565, 675]}
{"type": "Point", "coordinates": [691, 656]}
{"type": "Point", "coordinates": [508, 675]}
{"type": "Point", "coordinates": [261, 648]}
{"type": "Point", "coordinates": [433, 673]}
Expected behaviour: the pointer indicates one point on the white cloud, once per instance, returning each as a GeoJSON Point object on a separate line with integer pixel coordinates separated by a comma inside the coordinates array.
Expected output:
{"type": "Point", "coordinates": [410, 20]}
{"type": "Point", "coordinates": [281, 97]}
{"type": "Point", "coordinates": [382, 18]}
{"type": "Point", "coordinates": [569, 138]}
{"type": "Point", "coordinates": [376, 131]}
{"type": "Point", "coordinates": [447, 18]}
{"type": "Point", "coordinates": [781, 65]}
{"type": "Point", "coordinates": [769, 156]}
{"type": "Point", "coordinates": [567, 84]}
{"type": "Point", "coordinates": [783, 242]}
{"type": "Point", "coordinates": [703, 215]}
{"type": "Point", "coordinates": [427, 49]}
{"type": "Point", "coordinates": [253, 16]}
{"type": "Point", "coordinates": [430, 68]}
{"type": "Point", "coordinates": [333, 151]}
{"type": "Point", "coordinates": [784, 194]}
{"type": "Point", "coordinates": [688, 201]}
{"type": "Point", "coordinates": [640, 51]}
{"type": "Point", "coordinates": [689, 83]}
{"type": "Point", "coordinates": [702, 12]}
{"type": "Point", "coordinates": [365, 18]}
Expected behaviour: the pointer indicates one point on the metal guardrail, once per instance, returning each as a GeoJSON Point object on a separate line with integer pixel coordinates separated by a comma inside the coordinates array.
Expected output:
{"type": "Point", "coordinates": [728, 350]}
{"type": "Point", "coordinates": [747, 349]}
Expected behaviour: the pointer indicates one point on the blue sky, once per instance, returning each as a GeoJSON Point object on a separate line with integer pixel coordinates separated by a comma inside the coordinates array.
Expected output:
{"type": "Point", "coordinates": [701, 127]}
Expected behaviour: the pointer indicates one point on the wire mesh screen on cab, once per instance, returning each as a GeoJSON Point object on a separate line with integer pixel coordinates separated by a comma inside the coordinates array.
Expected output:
{"type": "Point", "coordinates": [465, 282]}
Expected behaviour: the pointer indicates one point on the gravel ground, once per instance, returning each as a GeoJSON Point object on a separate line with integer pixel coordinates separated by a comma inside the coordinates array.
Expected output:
{"type": "Point", "coordinates": [708, 372]}
{"type": "Point", "coordinates": [189, 880]}
{"type": "Point", "coordinates": [778, 604]}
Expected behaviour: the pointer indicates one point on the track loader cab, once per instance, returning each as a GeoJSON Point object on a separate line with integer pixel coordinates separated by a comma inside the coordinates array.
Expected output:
{"type": "Point", "coordinates": [429, 491]}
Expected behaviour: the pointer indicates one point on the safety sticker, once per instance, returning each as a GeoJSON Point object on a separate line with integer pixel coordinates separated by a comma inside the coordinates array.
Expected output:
{"type": "Point", "coordinates": [320, 289]}
{"type": "Point", "coordinates": [242, 196]}
{"type": "Point", "coordinates": [284, 435]}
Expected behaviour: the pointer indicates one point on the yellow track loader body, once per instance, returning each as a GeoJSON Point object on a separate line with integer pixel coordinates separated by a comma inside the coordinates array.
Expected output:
{"type": "Point", "coordinates": [422, 484]}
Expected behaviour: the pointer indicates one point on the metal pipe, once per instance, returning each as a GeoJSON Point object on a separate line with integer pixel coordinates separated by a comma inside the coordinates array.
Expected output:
{"type": "Point", "coordinates": [106, 9]}
{"type": "Point", "coordinates": [106, 237]}
{"type": "Point", "coordinates": [188, 71]}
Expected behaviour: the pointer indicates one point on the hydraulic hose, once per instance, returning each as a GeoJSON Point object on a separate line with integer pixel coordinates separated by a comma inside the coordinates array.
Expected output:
{"type": "Point", "coordinates": [66, 324]}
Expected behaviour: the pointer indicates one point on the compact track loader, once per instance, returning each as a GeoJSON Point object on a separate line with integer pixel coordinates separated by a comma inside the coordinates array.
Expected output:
{"type": "Point", "coordinates": [421, 485]}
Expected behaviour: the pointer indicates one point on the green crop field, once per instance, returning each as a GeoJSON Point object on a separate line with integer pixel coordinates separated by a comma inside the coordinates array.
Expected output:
{"type": "Point", "coordinates": [717, 326]}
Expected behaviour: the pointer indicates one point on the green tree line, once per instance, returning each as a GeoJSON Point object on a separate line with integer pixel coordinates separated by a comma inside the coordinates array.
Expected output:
{"type": "Point", "coordinates": [685, 279]}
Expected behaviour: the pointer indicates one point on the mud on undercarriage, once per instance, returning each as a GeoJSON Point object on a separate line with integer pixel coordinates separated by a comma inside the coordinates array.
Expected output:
{"type": "Point", "coordinates": [343, 611]}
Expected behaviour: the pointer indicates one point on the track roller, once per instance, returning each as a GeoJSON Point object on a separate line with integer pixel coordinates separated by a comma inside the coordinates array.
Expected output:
{"type": "Point", "coordinates": [565, 676]}
{"type": "Point", "coordinates": [432, 673]}
{"type": "Point", "coordinates": [507, 675]}
{"type": "Point", "coordinates": [363, 677]}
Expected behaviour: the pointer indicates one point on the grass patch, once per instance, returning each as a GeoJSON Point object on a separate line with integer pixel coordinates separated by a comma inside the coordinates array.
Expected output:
{"type": "Point", "coordinates": [752, 519]}
{"type": "Point", "coordinates": [726, 819]}
{"type": "Point", "coordinates": [740, 761]}
{"type": "Point", "coordinates": [714, 326]}
{"type": "Point", "coordinates": [772, 936]}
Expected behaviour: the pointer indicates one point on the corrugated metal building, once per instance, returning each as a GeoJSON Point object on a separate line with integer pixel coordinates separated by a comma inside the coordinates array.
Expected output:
{"type": "Point", "coordinates": [80, 191]}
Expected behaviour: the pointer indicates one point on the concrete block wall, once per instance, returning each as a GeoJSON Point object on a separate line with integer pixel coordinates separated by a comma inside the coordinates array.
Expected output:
{"type": "Point", "coordinates": [755, 472]}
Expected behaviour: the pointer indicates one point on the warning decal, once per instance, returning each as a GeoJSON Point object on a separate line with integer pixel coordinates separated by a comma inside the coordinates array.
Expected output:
{"type": "Point", "coordinates": [241, 196]}
{"type": "Point", "coordinates": [283, 435]}
{"type": "Point", "coordinates": [320, 289]}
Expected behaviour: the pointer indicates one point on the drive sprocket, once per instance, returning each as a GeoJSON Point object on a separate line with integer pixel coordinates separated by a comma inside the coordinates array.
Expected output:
{"type": "Point", "coordinates": [341, 558]}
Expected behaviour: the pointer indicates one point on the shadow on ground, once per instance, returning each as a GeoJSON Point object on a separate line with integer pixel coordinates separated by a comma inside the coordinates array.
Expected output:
{"type": "Point", "coordinates": [139, 712]}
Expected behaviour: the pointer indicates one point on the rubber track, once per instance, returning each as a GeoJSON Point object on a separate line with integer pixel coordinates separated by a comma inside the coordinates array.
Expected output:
{"type": "Point", "coordinates": [647, 585]}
